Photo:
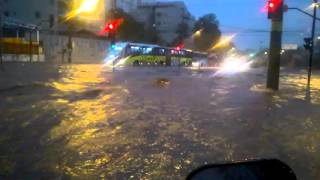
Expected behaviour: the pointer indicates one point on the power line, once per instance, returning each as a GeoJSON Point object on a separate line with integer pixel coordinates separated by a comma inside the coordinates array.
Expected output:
{"type": "Point", "coordinates": [260, 31]}
{"type": "Point", "coordinates": [243, 29]}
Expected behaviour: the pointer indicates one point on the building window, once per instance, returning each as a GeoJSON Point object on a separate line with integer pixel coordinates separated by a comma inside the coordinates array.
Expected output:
{"type": "Point", "coordinates": [37, 15]}
{"type": "Point", "coordinates": [6, 13]}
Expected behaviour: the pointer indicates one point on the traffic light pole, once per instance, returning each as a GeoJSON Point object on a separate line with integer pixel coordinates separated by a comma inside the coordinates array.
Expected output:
{"type": "Point", "coordinates": [274, 52]}
{"type": "Point", "coordinates": [312, 42]}
{"type": "Point", "coordinates": [304, 12]}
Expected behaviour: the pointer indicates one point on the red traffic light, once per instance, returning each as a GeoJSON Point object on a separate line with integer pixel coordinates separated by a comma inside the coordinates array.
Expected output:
{"type": "Point", "coordinates": [179, 47]}
{"type": "Point", "coordinates": [110, 26]}
{"type": "Point", "coordinates": [271, 5]}
{"type": "Point", "coordinates": [275, 9]}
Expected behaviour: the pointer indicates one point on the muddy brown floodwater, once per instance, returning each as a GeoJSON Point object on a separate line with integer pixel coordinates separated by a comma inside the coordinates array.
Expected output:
{"type": "Point", "coordinates": [85, 122]}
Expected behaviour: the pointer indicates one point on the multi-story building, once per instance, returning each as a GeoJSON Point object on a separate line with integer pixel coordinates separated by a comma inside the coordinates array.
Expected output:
{"type": "Point", "coordinates": [126, 5]}
{"type": "Point", "coordinates": [50, 13]}
{"type": "Point", "coordinates": [37, 12]}
{"type": "Point", "coordinates": [165, 18]}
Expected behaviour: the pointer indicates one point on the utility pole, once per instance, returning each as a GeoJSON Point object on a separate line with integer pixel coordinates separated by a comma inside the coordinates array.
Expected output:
{"type": "Point", "coordinates": [69, 46]}
{"type": "Point", "coordinates": [276, 16]}
{"type": "Point", "coordinates": [1, 32]}
{"type": "Point", "coordinates": [30, 47]}
{"type": "Point", "coordinates": [312, 41]}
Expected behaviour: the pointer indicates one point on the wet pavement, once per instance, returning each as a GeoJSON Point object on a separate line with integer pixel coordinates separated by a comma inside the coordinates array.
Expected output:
{"type": "Point", "coordinates": [85, 122]}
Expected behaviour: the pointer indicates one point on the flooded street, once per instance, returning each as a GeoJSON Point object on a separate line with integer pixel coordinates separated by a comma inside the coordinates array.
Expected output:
{"type": "Point", "coordinates": [85, 122]}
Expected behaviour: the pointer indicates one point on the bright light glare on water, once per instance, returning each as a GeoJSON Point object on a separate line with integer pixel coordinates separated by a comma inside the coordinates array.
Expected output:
{"type": "Point", "coordinates": [234, 64]}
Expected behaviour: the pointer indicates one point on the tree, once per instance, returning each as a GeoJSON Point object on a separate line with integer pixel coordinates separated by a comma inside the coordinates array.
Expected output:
{"type": "Point", "coordinates": [210, 33]}
{"type": "Point", "coordinates": [130, 29]}
{"type": "Point", "coordinates": [183, 32]}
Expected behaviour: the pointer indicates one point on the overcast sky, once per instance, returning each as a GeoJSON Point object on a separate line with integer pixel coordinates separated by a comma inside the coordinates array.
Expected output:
{"type": "Point", "coordinates": [247, 15]}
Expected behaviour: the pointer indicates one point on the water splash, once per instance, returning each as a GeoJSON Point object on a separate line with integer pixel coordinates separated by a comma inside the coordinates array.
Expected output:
{"type": "Point", "coordinates": [233, 65]}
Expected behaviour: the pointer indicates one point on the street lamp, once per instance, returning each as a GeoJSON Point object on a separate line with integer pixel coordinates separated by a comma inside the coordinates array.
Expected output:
{"type": "Point", "coordinates": [198, 33]}
{"type": "Point", "coordinates": [317, 5]}
{"type": "Point", "coordinates": [82, 7]}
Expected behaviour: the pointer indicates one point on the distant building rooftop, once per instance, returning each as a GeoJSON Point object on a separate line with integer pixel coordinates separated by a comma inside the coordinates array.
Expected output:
{"type": "Point", "coordinates": [12, 23]}
{"type": "Point", "coordinates": [162, 4]}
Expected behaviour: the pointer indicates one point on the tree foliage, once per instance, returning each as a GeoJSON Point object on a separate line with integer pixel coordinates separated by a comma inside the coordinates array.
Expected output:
{"type": "Point", "coordinates": [182, 33]}
{"type": "Point", "coordinates": [130, 29]}
{"type": "Point", "coordinates": [210, 33]}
